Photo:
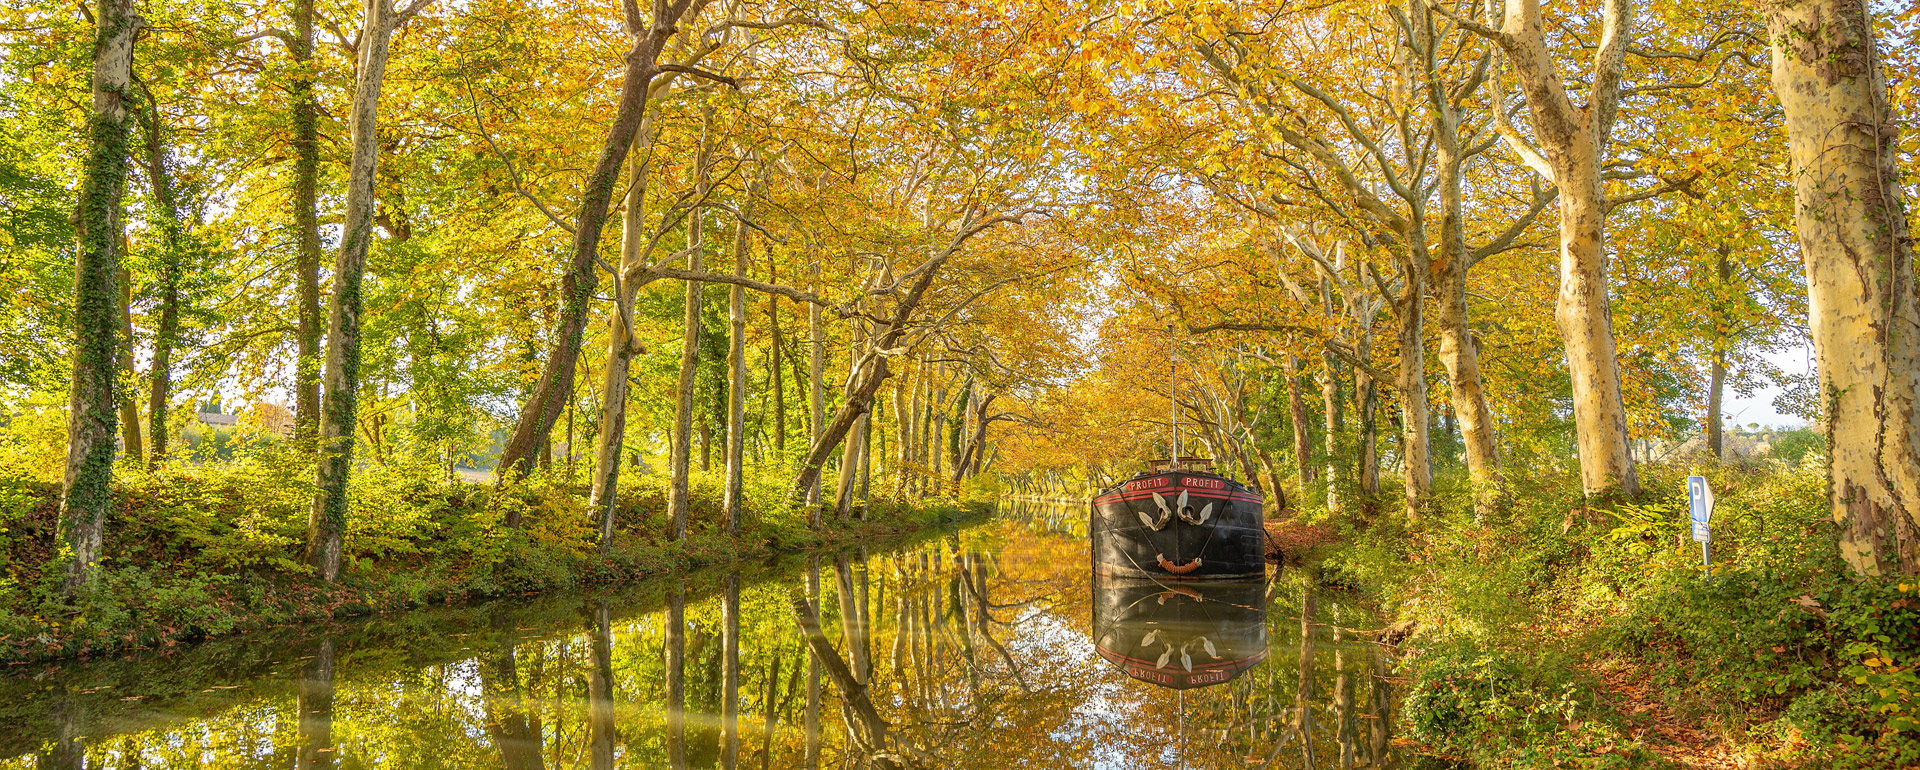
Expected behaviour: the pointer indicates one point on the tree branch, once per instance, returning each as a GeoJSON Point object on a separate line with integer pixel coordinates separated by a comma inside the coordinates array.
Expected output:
{"type": "Point", "coordinates": [759, 286]}
{"type": "Point", "coordinates": [1529, 155]}
{"type": "Point", "coordinates": [1506, 239]}
{"type": "Point", "coordinates": [699, 73]}
{"type": "Point", "coordinates": [513, 175]}
{"type": "Point", "coordinates": [1663, 189]}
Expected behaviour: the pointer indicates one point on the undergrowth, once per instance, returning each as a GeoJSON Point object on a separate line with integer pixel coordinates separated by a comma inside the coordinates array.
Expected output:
{"type": "Point", "coordinates": [1560, 635]}
{"type": "Point", "coordinates": [196, 551]}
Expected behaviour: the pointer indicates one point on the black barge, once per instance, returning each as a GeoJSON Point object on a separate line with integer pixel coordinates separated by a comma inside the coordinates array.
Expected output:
{"type": "Point", "coordinates": [1178, 521]}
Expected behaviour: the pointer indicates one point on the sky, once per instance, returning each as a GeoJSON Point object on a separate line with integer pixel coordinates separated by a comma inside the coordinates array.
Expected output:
{"type": "Point", "coordinates": [1759, 407]}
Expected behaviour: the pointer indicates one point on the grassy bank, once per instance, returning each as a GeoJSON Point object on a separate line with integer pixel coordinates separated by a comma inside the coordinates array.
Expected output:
{"type": "Point", "coordinates": [1557, 636]}
{"type": "Point", "coordinates": [203, 551]}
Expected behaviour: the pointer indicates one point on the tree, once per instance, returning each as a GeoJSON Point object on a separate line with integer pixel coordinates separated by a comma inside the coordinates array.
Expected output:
{"type": "Point", "coordinates": [1385, 157]}
{"type": "Point", "coordinates": [681, 457]}
{"type": "Point", "coordinates": [621, 347]}
{"type": "Point", "coordinates": [178, 245]}
{"type": "Point", "coordinates": [737, 371]}
{"type": "Point", "coordinates": [1573, 156]}
{"type": "Point", "coordinates": [87, 493]}
{"type": "Point", "coordinates": [542, 407]}
{"type": "Point", "coordinates": [327, 524]}
{"type": "Point", "coordinates": [1851, 219]}
{"type": "Point", "coordinates": [306, 224]}
{"type": "Point", "coordinates": [870, 370]}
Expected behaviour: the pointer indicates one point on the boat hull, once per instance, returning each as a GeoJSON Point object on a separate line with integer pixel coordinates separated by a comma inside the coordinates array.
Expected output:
{"type": "Point", "coordinates": [1178, 525]}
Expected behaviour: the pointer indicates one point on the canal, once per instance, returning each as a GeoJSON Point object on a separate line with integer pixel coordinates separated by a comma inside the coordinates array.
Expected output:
{"type": "Point", "coordinates": [986, 647]}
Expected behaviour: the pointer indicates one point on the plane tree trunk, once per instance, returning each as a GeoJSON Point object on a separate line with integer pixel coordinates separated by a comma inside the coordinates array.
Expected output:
{"type": "Point", "coordinates": [773, 364]}
{"type": "Point", "coordinates": [621, 348]}
{"type": "Point", "coordinates": [86, 494]}
{"type": "Point", "coordinates": [1330, 405]}
{"type": "Point", "coordinates": [1366, 403]}
{"type": "Point", "coordinates": [177, 244]}
{"type": "Point", "coordinates": [1459, 355]}
{"type": "Point", "coordinates": [681, 457]}
{"type": "Point", "coordinates": [1716, 384]}
{"type": "Point", "coordinates": [871, 370]}
{"type": "Point", "coordinates": [737, 377]}
{"type": "Point", "coordinates": [306, 225]}
{"type": "Point", "coordinates": [535, 423]}
{"type": "Point", "coordinates": [327, 522]}
{"type": "Point", "coordinates": [1297, 414]}
{"type": "Point", "coordinates": [1416, 445]}
{"type": "Point", "coordinates": [1844, 140]}
{"type": "Point", "coordinates": [130, 443]}
{"type": "Point", "coordinates": [816, 373]}
{"type": "Point", "coordinates": [1573, 142]}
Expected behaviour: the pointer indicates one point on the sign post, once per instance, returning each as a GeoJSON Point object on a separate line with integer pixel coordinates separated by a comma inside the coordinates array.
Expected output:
{"type": "Point", "coordinates": [1700, 506]}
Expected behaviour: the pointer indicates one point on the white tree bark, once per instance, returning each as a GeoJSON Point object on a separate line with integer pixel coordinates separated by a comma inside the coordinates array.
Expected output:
{"type": "Point", "coordinates": [1572, 153]}
{"type": "Point", "coordinates": [816, 371]}
{"type": "Point", "coordinates": [1844, 142]}
{"type": "Point", "coordinates": [737, 375]}
{"type": "Point", "coordinates": [531, 430]}
{"type": "Point", "coordinates": [1297, 415]}
{"type": "Point", "coordinates": [851, 452]}
{"type": "Point", "coordinates": [683, 393]}
{"type": "Point", "coordinates": [621, 347]}
{"type": "Point", "coordinates": [1416, 446]}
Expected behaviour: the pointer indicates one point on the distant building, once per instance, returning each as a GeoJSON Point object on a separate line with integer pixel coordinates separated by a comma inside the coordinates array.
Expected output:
{"type": "Point", "coordinates": [217, 420]}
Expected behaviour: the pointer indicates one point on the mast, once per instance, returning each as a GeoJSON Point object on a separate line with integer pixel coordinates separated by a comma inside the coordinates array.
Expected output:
{"type": "Point", "coordinates": [1173, 395]}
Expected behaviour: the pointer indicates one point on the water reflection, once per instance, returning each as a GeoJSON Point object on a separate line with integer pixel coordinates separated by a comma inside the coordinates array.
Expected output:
{"type": "Point", "coordinates": [600, 721]}
{"type": "Point", "coordinates": [314, 703]}
{"type": "Point", "coordinates": [1180, 635]}
{"type": "Point", "coordinates": [987, 647]}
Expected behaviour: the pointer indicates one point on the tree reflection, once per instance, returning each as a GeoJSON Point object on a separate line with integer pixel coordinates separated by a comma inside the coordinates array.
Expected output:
{"type": "Point", "coordinates": [730, 675]}
{"type": "Point", "coordinates": [1303, 699]}
{"type": "Point", "coordinates": [813, 669]}
{"type": "Point", "coordinates": [66, 750]}
{"type": "Point", "coordinates": [515, 731]}
{"type": "Point", "coordinates": [601, 732]}
{"type": "Point", "coordinates": [677, 677]}
{"type": "Point", "coordinates": [315, 705]}
{"type": "Point", "coordinates": [867, 732]}
{"type": "Point", "coordinates": [1343, 703]}
{"type": "Point", "coordinates": [975, 649]}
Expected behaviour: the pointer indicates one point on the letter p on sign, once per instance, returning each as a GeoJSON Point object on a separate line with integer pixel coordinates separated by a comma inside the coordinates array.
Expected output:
{"type": "Point", "coordinates": [1700, 505]}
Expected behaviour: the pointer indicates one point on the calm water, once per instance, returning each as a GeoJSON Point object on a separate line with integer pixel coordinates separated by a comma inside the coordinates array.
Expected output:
{"type": "Point", "coordinates": [983, 648]}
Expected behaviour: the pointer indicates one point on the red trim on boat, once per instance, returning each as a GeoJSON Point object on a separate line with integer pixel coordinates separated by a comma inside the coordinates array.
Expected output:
{"type": "Point", "coordinates": [1249, 660]}
{"type": "Point", "coordinates": [1245, 497]}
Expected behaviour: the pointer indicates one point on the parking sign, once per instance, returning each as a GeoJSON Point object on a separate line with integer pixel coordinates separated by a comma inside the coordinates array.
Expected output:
{"type": "Point", "coordinates": [1700, 504]}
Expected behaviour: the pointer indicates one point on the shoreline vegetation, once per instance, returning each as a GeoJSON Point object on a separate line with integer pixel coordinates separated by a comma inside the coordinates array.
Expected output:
{"type": "Point", "coordinates": [1470, 289]}
{"type": "Point", "coordinates": [1562, 634]}
{"type": "Point", "coordinates": [200, 552]}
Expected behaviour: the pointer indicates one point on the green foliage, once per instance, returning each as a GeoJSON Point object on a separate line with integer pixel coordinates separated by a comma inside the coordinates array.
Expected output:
{"type": "Point", "coordinates": [1794, 447]}
{"type": "Point", "coordinates": [1500, 711]}
{"type": "Point", "coordinates": [207, 549]}
{"type": "Point", "coordinates": [36, 253]}
{"type": "Point", "coordinates": [1533, 625]}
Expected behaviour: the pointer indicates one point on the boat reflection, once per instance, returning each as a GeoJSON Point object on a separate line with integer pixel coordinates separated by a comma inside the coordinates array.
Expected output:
{"type": "Point", "coordinates": [1180, 635]}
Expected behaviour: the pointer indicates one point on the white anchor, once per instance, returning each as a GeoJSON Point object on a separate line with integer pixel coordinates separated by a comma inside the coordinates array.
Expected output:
{"type": "Point", "coordinates": [1166, 514]}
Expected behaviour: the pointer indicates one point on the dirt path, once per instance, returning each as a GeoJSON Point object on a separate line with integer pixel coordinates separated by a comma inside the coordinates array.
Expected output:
{"type": "Point", "coordinates": [1686, 744]}
{"type": "Point", "coordinates": [1288, 539]}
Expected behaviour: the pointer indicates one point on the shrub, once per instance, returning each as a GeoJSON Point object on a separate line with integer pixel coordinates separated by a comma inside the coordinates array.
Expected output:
{"type": "Point", "coordinates": [1500, 710]}
{"type": "Point", "coordinates": [1795, 446]}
